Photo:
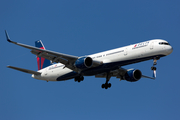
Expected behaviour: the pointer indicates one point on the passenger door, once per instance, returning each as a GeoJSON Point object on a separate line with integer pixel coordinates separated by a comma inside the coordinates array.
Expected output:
{"type": "Point", "coordinates": [152, 45]}
{"type": "Point", "coordinates": [126, 51]}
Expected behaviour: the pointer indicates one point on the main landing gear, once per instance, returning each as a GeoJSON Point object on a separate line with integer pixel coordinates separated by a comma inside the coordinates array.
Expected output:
{"type": "Point", "coordinates": [107, 85]}
{"type": "Point", "coordinates": [79, 78]}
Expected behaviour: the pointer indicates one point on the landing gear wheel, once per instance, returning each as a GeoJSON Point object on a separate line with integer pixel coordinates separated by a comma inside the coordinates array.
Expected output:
{"type": "Point", "coordinates": [79, 79]}
{"type": "Point", "coordinates": [153, 68]}
{"type": "Point", "coordinates": [103, 86]}
{"type": "Point", "coordinates": [109, 85]}
{"type": "Point", "coordinates": [106, 85]}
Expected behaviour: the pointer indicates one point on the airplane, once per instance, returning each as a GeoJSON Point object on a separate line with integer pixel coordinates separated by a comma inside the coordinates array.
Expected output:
{"type": "Point", "coordinates": [55, 66]}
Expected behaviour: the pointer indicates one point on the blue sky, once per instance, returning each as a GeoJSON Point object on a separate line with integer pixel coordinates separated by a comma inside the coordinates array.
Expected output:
{"type": "Point", "coordinates": [81, 28]}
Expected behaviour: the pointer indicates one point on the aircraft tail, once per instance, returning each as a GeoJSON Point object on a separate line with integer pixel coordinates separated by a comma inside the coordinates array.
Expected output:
{"type": "Point", "coordinates": [41, 62]}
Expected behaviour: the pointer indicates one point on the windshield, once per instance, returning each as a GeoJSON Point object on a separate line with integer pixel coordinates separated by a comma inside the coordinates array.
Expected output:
{"type": "Point", "coordinates": [164, 43]}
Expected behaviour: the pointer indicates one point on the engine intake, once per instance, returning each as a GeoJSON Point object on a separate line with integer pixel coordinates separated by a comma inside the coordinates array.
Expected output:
{"type": "Point", "coordinates": [83, 62]}
{"type": "Point", "coordinates": [133, 75]}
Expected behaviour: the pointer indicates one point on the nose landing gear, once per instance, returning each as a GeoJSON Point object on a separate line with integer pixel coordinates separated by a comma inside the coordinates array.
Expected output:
{"type": "Point", "coordinates": [155, 63]}
{"type": "Point", "coordinates": [153, 68]}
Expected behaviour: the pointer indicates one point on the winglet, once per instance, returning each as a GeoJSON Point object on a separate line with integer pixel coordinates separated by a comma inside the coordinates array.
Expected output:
{"type": "Point", "coordinates": [8, 39]}
{"type": "Point", "coordinates": [7, 36]}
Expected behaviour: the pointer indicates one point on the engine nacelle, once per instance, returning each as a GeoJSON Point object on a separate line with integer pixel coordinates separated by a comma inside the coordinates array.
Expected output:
{"type": "Point", "coordinates": [83, 62]}
{"type": "Point", "coordinates": [133, 75]}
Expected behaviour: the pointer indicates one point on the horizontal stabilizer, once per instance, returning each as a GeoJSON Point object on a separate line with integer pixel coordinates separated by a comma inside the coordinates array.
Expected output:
{"type": "Point", "coordinates": [25, 70]}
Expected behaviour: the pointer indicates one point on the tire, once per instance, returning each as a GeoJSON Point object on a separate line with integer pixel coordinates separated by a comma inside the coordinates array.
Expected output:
{"type": "Point", "coordinates": [153, 68]}
{"type": "Point", "coordinates": [103, 86]}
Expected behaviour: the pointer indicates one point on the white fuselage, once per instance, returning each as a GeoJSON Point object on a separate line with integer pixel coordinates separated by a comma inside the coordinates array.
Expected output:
{"type": "Point", "coordinates": [120, 56]}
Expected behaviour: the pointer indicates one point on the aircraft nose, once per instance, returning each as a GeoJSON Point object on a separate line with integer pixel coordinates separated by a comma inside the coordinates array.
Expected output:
{"type": "Point", "coordinates": [170, 49]}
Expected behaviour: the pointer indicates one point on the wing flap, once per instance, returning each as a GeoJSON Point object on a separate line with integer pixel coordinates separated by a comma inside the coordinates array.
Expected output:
{"type": "Point", "coordinates": [56, 59]}
{"type": "Point", "coordinates": [24, 70]}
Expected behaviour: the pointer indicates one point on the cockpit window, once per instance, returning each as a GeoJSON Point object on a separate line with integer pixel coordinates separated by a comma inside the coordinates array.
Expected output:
{"type": "Point", "coordinates": [164, 43]}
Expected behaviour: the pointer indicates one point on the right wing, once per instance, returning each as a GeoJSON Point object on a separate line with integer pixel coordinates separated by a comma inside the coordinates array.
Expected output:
{"type": "Point", "coordinates": [67, 60]}
{"type": "Point", "coordinates": [119, 73]}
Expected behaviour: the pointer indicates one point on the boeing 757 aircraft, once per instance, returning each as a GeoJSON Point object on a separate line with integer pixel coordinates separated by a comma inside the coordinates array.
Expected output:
{"type": "Point", "coordinates": [55, 66]}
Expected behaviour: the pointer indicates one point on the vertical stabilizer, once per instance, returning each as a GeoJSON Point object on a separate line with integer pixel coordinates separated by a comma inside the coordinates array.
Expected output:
{"type": "Point", "coordinates": [41, 62]}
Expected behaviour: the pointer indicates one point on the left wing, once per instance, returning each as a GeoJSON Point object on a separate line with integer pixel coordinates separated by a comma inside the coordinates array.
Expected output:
{"type": "Point", "coordinates": [67, 60]}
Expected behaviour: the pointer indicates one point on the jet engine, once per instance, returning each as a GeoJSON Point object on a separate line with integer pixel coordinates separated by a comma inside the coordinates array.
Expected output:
{"type": "Point", "coordinates": [133, 75]}
{"type": "Point", "coordinates": [83, 62]}
{"type": "Point", "coordinates": [86, 62]}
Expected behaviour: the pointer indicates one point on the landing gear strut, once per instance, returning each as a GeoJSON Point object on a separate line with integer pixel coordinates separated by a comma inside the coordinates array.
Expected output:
{"type": "Point", "coordinates": [107, 85]}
